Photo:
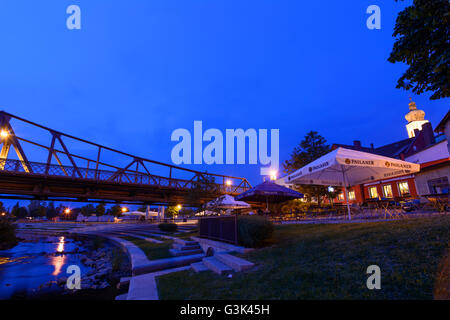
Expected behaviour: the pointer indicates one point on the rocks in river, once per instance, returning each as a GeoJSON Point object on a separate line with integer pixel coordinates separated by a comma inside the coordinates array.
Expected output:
{"type": "Point", "coordinates": [62, 281]}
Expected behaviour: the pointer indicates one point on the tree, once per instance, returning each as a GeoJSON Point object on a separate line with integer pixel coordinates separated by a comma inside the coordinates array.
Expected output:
{"type": "Point", "coordinates": [312, 146]}
{"type": "Point", "coordinates": [18, 211]}
{"type": "Point", "coordinates": [88, 210]}
{"type": "Point", "coordinates": [171, 212]}
{"type": "Point", "coordinates": [422, 32]}
{"type": "Point", "coordinates": [15, 210]}
{"type": "Point", "coordinates": [36, 208]}
{"type": "Point", "coordinates": [2, 208]}
{"type": "Point", "coordinates": [100, 209]}
{"type": "Point", "coordinates": [51, 211]}
{"type": "Point", "coordinates": [115, 210]}
{"type": "Point", "coordinates": [204, 186]}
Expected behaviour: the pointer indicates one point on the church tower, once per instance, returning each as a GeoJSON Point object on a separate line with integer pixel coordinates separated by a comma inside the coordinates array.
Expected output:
{"type": "Point", "coordinates": [415, 118]}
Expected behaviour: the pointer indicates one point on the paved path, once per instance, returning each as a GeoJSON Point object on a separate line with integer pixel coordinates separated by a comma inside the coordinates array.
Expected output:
{"type": "Point", "coordinates": [144, 287]}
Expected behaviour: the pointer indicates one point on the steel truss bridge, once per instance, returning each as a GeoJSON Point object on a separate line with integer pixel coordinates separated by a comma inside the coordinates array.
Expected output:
{"type": "Point", "coordinates": [66, 176]}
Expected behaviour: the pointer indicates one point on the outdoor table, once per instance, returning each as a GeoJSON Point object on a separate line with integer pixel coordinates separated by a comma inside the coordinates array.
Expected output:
{"type": "Point", "coordinates": [439, 201]}
{"type": "Point", "coordinates": [385, 207]}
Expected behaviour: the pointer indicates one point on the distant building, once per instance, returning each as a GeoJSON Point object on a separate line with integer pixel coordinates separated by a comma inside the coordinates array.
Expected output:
{"type": "Point", "coordinates": [421, 146]}
{"type": "Point", "coordinates": [444, 127]}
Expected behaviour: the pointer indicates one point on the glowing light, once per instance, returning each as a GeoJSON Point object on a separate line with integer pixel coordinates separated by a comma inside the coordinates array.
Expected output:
{"type": "Point", "coordinates": [3, 214]}
{"type": "Point", "coordinates": [228, 182]}
{"type": "Point", "coordinates": [4, 133]}
{"type": "Point", "coordinates": [273, 175]}
{"type": "Point", "coordinates": [124, 209]}
{"type": "Point", "coordinates": [58, 262]}
{"type": "Point", "coordinates": [330, 189]}
{"type": "Point", "coordinates": [179, 207]}
{"type": "Point", "coordinates": [60, 245]}
{"type": "Point", "coordinates": [67, 211]}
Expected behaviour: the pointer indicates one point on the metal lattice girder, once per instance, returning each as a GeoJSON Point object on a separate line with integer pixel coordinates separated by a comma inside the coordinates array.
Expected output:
{"type": "Point", "coordinates": [139, 176]}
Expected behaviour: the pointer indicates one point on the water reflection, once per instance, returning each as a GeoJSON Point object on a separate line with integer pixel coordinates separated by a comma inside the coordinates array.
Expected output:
{"type": "Point", "coordinates": [60, 245]}
{"type": "Point", "coordinates": [32, 264]}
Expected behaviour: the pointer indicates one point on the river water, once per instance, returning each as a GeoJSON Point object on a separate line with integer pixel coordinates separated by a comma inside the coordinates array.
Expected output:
{"type": "Point", "coordinates": [35, 264]}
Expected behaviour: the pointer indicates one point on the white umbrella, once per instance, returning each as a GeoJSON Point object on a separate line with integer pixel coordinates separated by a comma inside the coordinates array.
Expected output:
{"type": "Point", "coordinates": [345, 167]}
{"type": "Point", "coordinates": [133, 213]}
{"type": "Point", "coordinates": [227, 202]}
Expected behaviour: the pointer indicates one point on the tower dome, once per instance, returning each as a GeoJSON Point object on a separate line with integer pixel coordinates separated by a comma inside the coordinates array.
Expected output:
{"type": "Point", "coordinates": [414, 114]}
{"type": "Point", "coordinates": [415, 118]}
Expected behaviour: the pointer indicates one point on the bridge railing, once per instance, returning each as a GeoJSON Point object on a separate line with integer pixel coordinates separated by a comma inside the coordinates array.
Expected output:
{"type": "Point", "coordinates": [138, 171]}
{"type": "Point", "coordinates": [126, 177]}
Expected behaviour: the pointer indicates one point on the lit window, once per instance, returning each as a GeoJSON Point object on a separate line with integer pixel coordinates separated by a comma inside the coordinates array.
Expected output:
{"type": "Point", "coordinates": [341, 196]}
{"type": "Point", "coordinates": [387, 191]}
{"type": "Point", "coordinates": [403, 188]}
{"type": "Point", "coordinates": [351, 195]}
{"type": "Point", "coordinates": [373, 193]}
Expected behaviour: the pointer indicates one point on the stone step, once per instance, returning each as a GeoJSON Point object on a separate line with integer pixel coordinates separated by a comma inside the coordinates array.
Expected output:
{"type": "Point", "coordinates": [167, 263]}
{"type": "Point", "coordinates": [199, 267]}
{"type": "Point", "coordinates": [124, 281]}
{"type": "Point", "coordinates": [177, 253]}
{"type": "Point", "coordinates": [215, 265]}
{"type": "Point", "coordinates": [185, 242]}
{"type": "Point", "coordinates": [122, 296]}
{"type": "Point", "coordinates": [179, 246]}
{"type": "Point", "coordinates": [238, 264]}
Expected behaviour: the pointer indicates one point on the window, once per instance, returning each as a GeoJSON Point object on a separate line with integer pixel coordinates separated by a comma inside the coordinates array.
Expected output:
{"type": "Point", "coordinates": [438, 185]}
{"type": "Point", "coordinates": [373, 193]}
{"type": "Point", "coordinates": [341, 196]}
{"type": "Point", "coordinates": [351, 195]}
{"type": "Point", "coordinates": [403, 188]}
{"type": "Point", "coordinates": [387, 191]}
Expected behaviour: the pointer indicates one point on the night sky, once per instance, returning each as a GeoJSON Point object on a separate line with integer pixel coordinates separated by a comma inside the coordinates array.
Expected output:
{"type": "Point", "coordinates": [139, 69]}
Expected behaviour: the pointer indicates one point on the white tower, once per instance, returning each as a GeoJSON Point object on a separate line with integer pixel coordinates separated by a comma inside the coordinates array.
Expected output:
{"type": "Point", "coordinates": [415, 118]}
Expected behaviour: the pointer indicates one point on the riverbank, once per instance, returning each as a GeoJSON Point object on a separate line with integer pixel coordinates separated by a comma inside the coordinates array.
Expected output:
{"type": "Point", "coordinates": [36, 268]}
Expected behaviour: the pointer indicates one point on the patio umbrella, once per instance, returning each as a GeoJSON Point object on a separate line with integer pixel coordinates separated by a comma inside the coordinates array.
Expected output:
{"type": "Point", "coordinates": [227, 202]}
{"type": "Point", "coordinates": [345, 167]}
{"type": "Point", "coordinates": [269, 191]}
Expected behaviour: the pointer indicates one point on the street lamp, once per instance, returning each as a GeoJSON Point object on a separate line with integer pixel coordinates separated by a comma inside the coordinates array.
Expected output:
{"type": "Point", "coordinates": [179, 207]}
{"type": "Point", "coordinates": [4, 133]}
{"type": "Point", "coordinates": [67, 211]}
{"type": "Point", "coordinates": [124, 209]}
{"type": "Point", "coordinates": [228, 182]}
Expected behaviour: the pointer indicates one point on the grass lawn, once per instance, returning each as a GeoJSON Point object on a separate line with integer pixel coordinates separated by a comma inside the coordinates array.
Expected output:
{"type": "Point", "coordinates": [329, 261]}
{"type": "Point", "coordinates": [152, 250]}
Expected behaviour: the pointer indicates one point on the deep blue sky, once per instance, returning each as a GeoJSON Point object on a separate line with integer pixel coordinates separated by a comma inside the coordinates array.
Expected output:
{"type": "Point", "coordinates": [139, 69]}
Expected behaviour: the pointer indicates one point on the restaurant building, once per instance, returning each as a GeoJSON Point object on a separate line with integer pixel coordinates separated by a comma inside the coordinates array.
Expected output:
{"type": "Point", "coordinates": [423, 147]}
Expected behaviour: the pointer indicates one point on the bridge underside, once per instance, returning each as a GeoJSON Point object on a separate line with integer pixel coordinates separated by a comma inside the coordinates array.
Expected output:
{"type": "Point", "coordinates": [23, 186]}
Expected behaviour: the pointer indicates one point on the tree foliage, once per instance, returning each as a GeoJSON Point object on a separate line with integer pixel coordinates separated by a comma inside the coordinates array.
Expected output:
{"type": "Point", "coordinates": [100, 209]}
{"type": "Point", "coordinates": [203, 186]}
{"type": "Point", "coordinates": [422, 33]}
{"type": "Point", "coordinates": [312, 146]}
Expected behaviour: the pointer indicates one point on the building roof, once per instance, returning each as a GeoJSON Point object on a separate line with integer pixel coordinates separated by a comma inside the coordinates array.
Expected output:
{"type": "Point", "coordinates": [392, 150]}
{"type": "Point", "coordinates": [441, 125]}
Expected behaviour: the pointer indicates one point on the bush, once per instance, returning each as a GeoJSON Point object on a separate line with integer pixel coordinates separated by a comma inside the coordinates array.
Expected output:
{"type": "Point", "coordinates": [7, 235]}
{"type": "Point", "coordinates": [253, 231]}
{"type": "Point", "coordinates": [168, 227]}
